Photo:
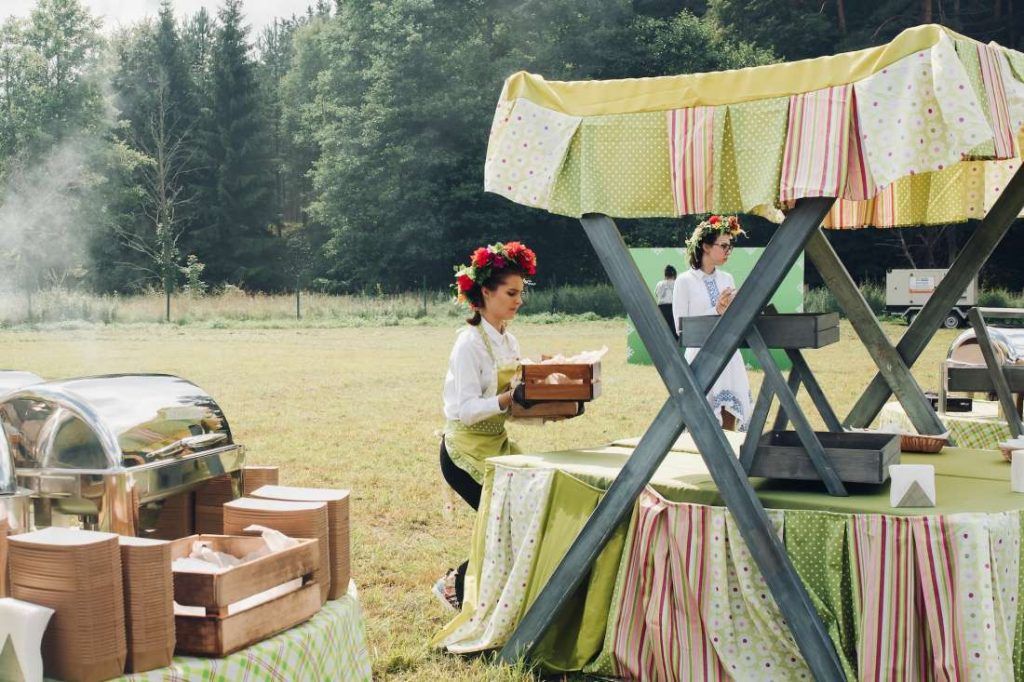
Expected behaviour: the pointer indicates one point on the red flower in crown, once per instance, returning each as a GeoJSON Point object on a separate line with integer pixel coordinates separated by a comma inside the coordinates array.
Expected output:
{"type": "Point", "coordinates": [465, 283]}
{"type": "Point", "coordinates": [714, 220]}
{"type": "Point", "coordinates": [481, 257]}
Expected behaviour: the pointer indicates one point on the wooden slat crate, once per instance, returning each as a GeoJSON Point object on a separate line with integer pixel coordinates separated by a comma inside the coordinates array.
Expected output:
{"type": "Point", "coordinates": [219, 634]}
{"type": "Point", "coordinates": [585, 386]}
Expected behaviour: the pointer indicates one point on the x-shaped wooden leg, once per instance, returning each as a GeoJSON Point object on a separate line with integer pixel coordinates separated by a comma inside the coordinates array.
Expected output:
{"type": "Point", "coordinates": [688, 406]}
{"type": "Point", "coordinates": [966, 266]}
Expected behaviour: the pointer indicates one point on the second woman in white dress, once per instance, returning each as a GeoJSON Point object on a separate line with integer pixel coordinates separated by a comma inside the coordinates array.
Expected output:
{"type": "Point", "coordinates": [706, 289]}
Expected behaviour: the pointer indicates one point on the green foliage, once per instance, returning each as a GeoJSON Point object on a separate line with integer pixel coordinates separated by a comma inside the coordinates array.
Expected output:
{"type": "Point", "coordinates": [599, 300]}
{"type": "Point", "coordinates": [821, 300]}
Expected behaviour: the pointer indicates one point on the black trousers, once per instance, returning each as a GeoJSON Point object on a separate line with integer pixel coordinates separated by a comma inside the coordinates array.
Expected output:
{"type": "Point", "coordinates": [666, 312]}
{"type": "Point", "coordinates": [469, 490]}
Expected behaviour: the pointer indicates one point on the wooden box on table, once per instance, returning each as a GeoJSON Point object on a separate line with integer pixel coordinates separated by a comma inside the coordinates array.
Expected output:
{"type": "Point", "coordinates": [219, 632]}
{"type": "Point", "coordinates": [784, 330]}
{"type": "Point", "coordinates": [579, 382]}
{"type": "Point", "coordinates": [857, 456]}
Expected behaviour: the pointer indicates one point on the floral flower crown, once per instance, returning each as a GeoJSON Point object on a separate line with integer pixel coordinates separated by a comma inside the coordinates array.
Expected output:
{"type": "Point", "coordinates": [486, 260]}
{"type": "Point", "coordinates": [715, 224]}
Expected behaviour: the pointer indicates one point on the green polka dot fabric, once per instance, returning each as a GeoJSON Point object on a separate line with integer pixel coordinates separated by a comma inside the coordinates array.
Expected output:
{"type": "Point", "coordinates": [967, 51]}
{"type": "Point", "coordinates": [618, 165]}
{"type": "Point", "coordinates": [824, 567]}
{"type": "Point", "coordinates": [749, 142]}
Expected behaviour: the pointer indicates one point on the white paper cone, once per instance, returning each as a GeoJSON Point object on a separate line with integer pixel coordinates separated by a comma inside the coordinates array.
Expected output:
{"type": "Point", "coordinates": [22, 625]}
{"type": "Point", "coordinates": [912, 485]}
{"type": "Point", "coordinates": [1017, 471]}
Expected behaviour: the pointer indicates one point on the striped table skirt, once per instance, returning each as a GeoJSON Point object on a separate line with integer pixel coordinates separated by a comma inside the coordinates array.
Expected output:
{"type": "Point", "coordinates": [676, 595]}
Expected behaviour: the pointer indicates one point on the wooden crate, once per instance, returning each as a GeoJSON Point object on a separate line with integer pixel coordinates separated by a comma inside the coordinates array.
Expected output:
{"type": "Point", "coordinates": [219, 634]}
{"type": "Point", "coordinates": [857, 457]}
{"type": "Point", "coordinates": [789, 330]}
{"type": "Point", "coordinates": [586, 384]}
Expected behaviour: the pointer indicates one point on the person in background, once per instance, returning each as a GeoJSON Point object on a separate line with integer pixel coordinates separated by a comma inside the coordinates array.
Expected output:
{"type": "Point", "coordinates": [707, 290]}
{"type": "Point", "coordinates": [663, 295]}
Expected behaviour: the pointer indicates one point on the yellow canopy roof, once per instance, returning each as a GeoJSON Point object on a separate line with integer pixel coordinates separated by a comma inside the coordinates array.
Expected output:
{"type": "Point", "coordinates": [923, 130]}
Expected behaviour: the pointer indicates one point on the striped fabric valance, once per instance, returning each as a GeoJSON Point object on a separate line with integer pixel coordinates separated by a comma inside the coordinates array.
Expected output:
{"type": "Point", "coordinates": [922, 131]}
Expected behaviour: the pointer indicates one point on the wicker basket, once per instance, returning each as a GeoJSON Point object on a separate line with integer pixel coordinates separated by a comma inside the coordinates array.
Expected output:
{"type": "Point", "coordinates": [918, 443]}
{"type": "Point", "coordinates": [1007, 448]}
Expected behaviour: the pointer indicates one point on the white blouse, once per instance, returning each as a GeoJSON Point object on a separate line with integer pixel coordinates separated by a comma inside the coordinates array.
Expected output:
{"type": "Point", "coordinates": [471, 384]}
{"type": "Point", "coordinates": [663, 291]}
{"type": "Point", "coordinates": [692, 294]}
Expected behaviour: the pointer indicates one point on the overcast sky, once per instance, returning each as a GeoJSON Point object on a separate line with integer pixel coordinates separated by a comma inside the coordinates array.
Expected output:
{"type": "Point", "coordinates": [258, 13]}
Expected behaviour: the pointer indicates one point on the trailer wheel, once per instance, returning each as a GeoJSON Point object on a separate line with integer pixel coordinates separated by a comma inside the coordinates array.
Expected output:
{"type": "Point", "coordinates": [909, 317]}
{"type": "Point", "coordinates": [951, 321]}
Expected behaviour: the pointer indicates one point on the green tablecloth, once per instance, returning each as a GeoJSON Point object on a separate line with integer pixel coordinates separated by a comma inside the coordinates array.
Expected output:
{"type": "Point", "coordinates": [683, 477]}
{"type": "Point", "coordinates": [329, 646]}
{"type": "Point", "coordinates": [982, 427]}
{"type": "Point", "coordinates": [903, 593]}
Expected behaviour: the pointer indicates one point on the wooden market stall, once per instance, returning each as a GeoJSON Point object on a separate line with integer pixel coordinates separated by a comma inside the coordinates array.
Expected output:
{"type": "Point", "coordinates": [921, 131]}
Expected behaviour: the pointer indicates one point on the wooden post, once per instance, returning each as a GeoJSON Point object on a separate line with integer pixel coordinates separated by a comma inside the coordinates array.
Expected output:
{"type": "Point", "coordinates": [814, 390]}
{"type": "Point", "coordinates": [995, 369]}
{"type": "Point", "coordinates": [787, 403]}
{"type": "Point", "coordinates": [755, 427]}
{"type": "Point", "coordinates": [890, 365]}
{"type": "Point", "coordinates": [974, 254]}
{"type": "Point", "coordinates": [687, 405]}
{"type": "Point", "coordinates": [782, 418]}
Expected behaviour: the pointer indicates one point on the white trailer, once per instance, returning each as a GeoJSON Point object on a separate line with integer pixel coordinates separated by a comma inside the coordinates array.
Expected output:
{"type": "Point", "coordinates": [906, 292]}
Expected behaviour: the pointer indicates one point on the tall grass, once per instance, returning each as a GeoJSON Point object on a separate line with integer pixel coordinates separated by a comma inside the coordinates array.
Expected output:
{"type": "Point", "coordinates": [232, 306]}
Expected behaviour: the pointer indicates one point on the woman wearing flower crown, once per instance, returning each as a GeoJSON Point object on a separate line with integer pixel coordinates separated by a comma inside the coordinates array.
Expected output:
{"type": "Point", "coordinates": [707, 290]}
{"type": "Point", "coordinates": [477, 387]}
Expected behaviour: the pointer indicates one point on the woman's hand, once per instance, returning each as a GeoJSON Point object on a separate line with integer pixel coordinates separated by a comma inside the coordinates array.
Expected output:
{"type": "Point", "coordinates": [724, 300]}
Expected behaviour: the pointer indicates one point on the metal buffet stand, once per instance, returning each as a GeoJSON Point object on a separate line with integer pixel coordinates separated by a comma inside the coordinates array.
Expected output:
{"type": "Point", "coordinates": [103, 452]}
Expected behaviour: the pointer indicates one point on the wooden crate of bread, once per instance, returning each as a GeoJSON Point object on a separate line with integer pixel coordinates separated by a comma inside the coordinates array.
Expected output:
{"type": "Point", "coordinates": [561, 382]}
{"type": "Point", "coordinates": [221, 631]}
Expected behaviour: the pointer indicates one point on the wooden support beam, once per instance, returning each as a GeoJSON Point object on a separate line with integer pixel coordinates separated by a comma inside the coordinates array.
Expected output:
{"type": "Point", "coordinates": [755, 427]}
{"type": "Point", "coordinates": [788, 404]}
{"type": "Point", "coordinates": [995, 371]}
{"type": "Point", "coordinates": [890, 365]}
{"type": "Point", "coordinates": [814, 390]}
{"type": "Point", "coordinates": [968, 263]}
{"type": "Point", "coordinates": [782, 417]}
{"type": "Point", "coordinates": [687, 397]}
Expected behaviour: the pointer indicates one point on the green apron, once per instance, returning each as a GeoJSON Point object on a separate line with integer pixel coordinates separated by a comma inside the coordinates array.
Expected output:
{"type": "Point", "coordinates": [470, 444]}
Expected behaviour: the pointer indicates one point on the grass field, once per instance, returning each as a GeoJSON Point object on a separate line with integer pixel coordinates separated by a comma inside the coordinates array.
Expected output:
{"type": "Point", "coordinates": [358, 408]}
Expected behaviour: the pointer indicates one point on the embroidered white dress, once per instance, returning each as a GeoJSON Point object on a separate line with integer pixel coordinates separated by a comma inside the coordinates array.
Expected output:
{"type": "Point", "coordinates": [695, 294]}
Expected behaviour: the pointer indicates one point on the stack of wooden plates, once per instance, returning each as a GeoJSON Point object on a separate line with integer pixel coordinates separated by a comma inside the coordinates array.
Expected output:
{"type": "Point", "coordinates": [148, 603]}
{"type": "Point", "coordinates": [210, 499]}
{"type": "Point", "coordinates": [294, 519]}
{"type": "Point", "coordinates": [77, 574]}
{"type": "Point", "coordinates": [255, 477]}
{"type": "Point", "coordinates": [337, 527]}
{"type": "Point", "coordinates": [177, 517]}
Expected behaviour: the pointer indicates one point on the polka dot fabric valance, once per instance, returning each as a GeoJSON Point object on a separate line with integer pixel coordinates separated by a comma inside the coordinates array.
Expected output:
{"type": "Point", "coordinates": [922, 131]}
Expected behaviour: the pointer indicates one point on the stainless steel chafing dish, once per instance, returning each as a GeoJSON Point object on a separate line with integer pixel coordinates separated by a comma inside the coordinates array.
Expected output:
{"type": "Point", "coordinates": [15, 502]}
{"type": "Point", "coordinates": [103, 452]}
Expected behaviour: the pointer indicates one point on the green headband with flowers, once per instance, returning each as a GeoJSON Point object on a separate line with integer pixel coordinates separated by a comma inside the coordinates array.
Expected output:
{"type": "Point", "coordinates": [716, 225]}
{"type": "Point", "coordinates": [487, 260]}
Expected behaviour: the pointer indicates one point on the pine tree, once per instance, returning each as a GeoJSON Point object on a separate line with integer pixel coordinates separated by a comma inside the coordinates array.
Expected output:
{"type": "Point", "coordinates": [232, 236]}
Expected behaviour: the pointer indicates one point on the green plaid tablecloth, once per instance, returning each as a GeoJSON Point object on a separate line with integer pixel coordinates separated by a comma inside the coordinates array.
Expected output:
{"type": "Point", "coordinates": [329, 646]}
{"type": "Point", "coordinates": [981, 428]}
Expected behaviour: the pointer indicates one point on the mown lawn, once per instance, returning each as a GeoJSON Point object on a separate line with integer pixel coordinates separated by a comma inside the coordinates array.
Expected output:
{"type": "Point", "coordinates": [358, 408]}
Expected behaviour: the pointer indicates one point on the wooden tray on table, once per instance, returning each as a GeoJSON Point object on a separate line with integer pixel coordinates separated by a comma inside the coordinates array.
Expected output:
{"type": "Point", "coordinates": [857, 456]}
{"type": "Point", "coordinates": [780, 330]}
{"type": "Point", "coordinates": [218, 632]}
